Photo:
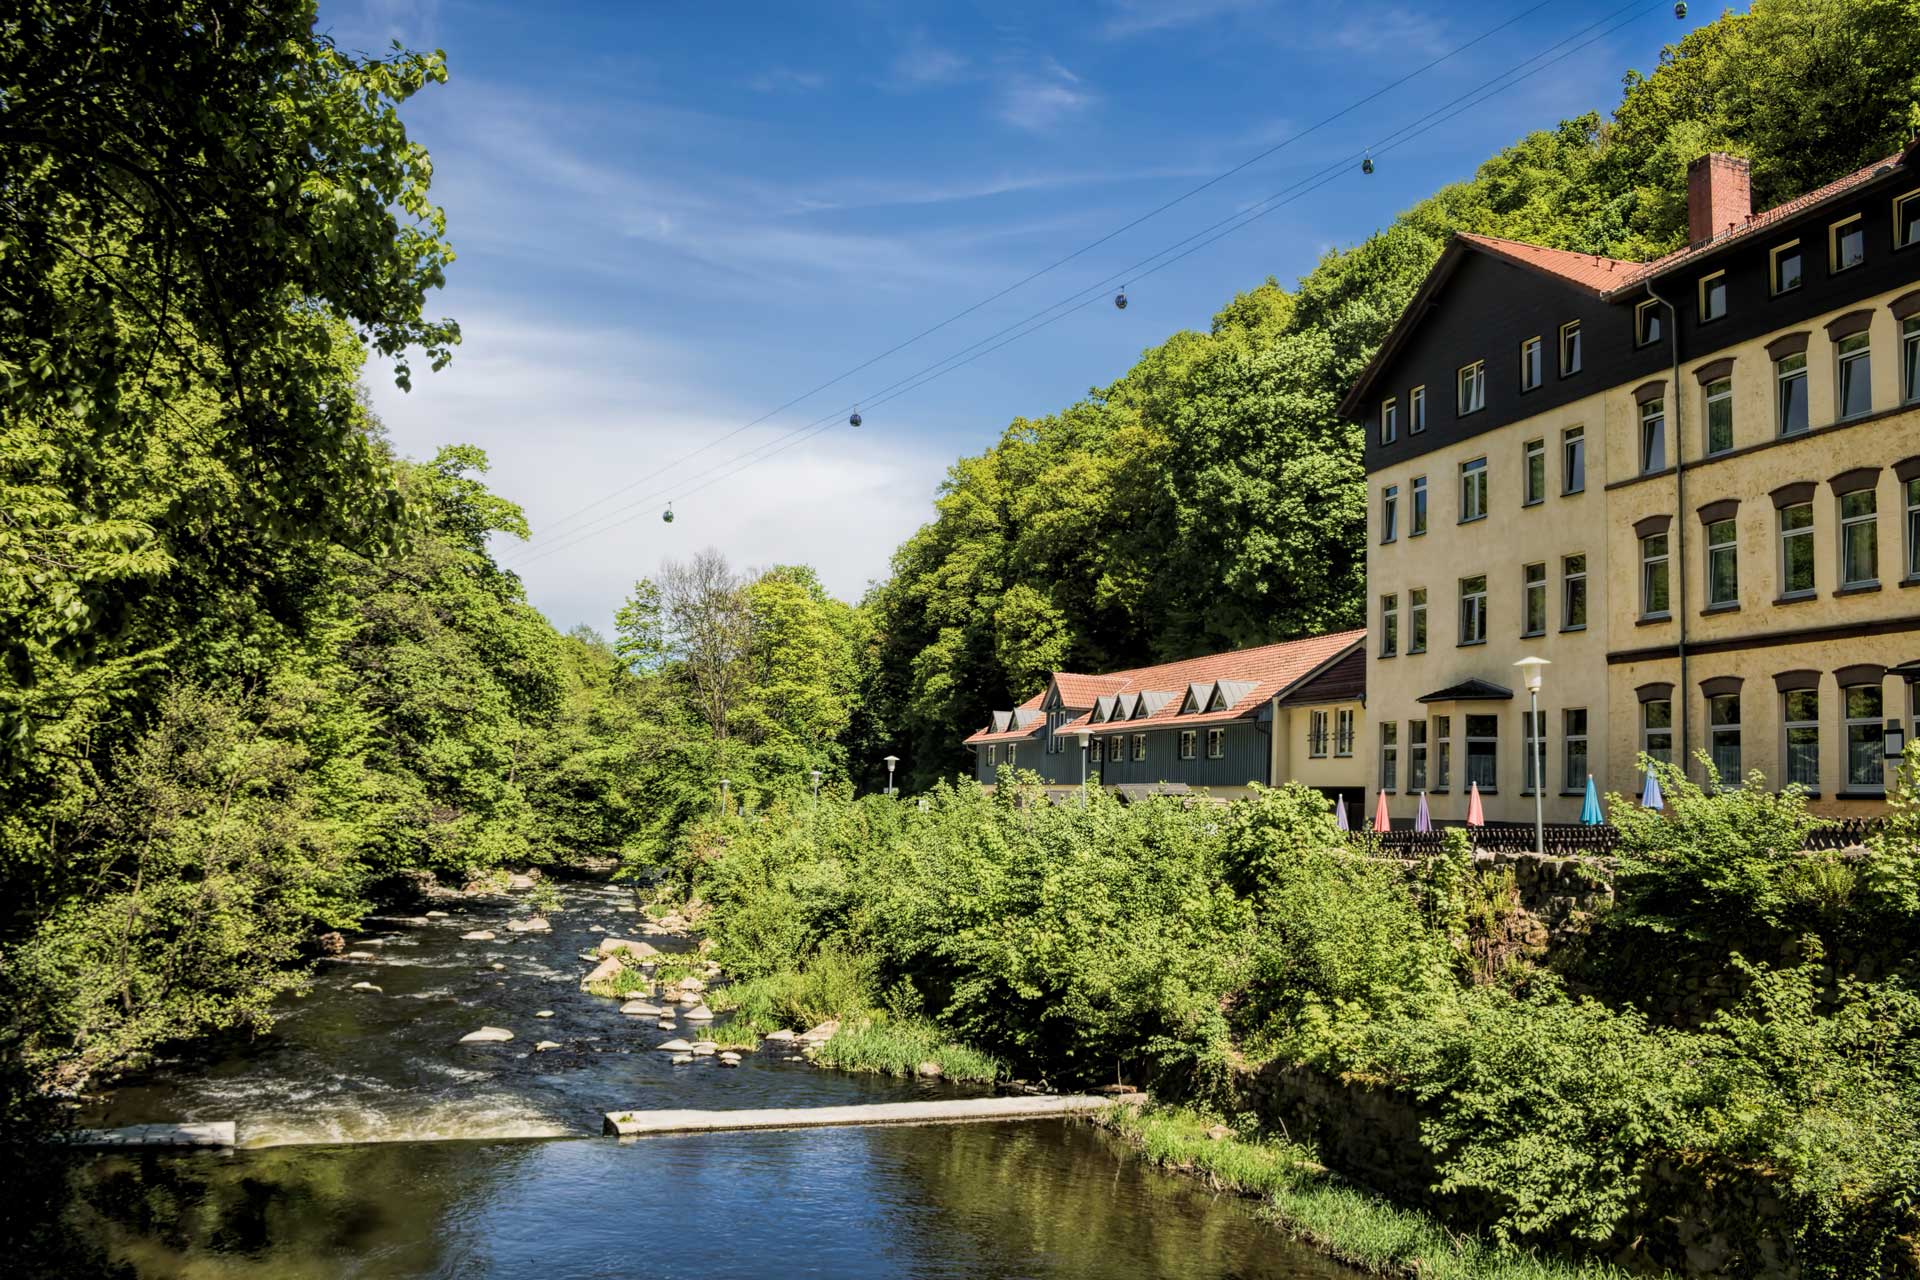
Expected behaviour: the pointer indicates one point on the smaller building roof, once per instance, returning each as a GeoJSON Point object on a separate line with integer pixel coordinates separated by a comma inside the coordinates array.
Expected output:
{"type": "Point", "coordinates": [1473, 690]}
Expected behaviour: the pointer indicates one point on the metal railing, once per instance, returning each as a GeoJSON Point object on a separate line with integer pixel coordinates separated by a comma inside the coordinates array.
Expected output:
{"type": "Point", "coordinates": [1572, 839]}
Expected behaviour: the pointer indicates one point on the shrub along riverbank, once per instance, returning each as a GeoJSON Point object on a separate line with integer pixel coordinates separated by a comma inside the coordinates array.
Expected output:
{"type": "Point", "coordinates": [1185, 948]}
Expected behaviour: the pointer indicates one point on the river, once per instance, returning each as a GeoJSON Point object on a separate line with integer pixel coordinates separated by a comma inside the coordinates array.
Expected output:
{"type": "Point", "coordinates": [373, 1144]}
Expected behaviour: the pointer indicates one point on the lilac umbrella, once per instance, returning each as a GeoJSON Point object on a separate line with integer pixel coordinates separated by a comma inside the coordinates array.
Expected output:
{"type": "Point", "coordinates": [1650, 797]}
{"type": "Point", "coordinates": [1340, 813]}
{"type": "Point", "coordinates": [1422, 820]}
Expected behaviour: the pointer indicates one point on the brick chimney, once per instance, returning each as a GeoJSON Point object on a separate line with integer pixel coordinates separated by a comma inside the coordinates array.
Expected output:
{"type": "Point", "coordinates": [1719, 195]}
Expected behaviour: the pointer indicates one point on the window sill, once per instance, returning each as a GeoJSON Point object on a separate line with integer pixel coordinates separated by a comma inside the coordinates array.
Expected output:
{"type": "Point", "coordinates": [1653, 619]}
{"type": "Point", "coordinates": [1573, 630]}
{"type": "Point", "coordinates": [1469, 644]}
{"type": "Point", "coordinates": [1573, 795]}
{"type": "Point", "coordinates": [1471, 520]}
{"type": "Point", "coordinates": [1414, 653]}
{"type": "Point", "coordinates": [1910, 582]}
{"type": "Point", "coordinates": [1532, 635]}
{"type": "Point", "coordinates": [1382, 657]}
{"type": "Point", "coordinates": [1796, 597]}
{"type": "Point", "coordinates": [1856, 589]}
{"type": "Point", "coordinates": [1573, 493]}
{"type": "Point", "coordinates": [1536, 502]}
{"type": "Point", "coordinates": [1655, 474]}
{"type": "Point", "coordinates": [1731, 606]}
{"type": "Point", "coordinates": [1438, 791]}
{"type": "Point", "coordinates": [1857, 794]}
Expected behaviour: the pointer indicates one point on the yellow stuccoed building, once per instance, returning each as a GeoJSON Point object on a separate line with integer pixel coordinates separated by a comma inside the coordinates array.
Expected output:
{"type": "Point", "coordinates": [1691, 485]}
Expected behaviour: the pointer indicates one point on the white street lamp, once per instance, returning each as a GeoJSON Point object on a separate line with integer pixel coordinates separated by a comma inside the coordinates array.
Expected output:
{"type": "Point", "coordinates": [1531, 669]}
{"type": "Point", "coordinates": [1086, 739]}
{"type": "Point", "coordinates": [724, 784]}
{"type": "Point", "coordinates": [815, 775]}
{"type": "Point", "coordinates": [891, 762]}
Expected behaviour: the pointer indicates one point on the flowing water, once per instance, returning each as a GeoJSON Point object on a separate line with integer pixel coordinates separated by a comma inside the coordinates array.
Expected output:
{"type": "Point", "coordinates": [373, 1144]}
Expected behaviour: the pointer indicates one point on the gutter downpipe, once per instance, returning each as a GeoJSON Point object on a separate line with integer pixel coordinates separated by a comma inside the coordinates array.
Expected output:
{"type": "Point", "coordinates": [1680, 531]}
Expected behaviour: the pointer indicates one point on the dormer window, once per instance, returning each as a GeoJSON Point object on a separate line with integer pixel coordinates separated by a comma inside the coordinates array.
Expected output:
{"type": "Point", "coordinates": [1906, 221]}
{"type": "Point", "coordinates": [1846, 244]}
{"type": "Point", "coordinates": [1713, 297]}
{"type": "Point", "coordinates": [1389, 420]}
{"type": "Point", "coordinates": [1784, 268]}
{"type": "Point", "coordinates": [1472, 388]}
{"type": "Point", "coordinates": [1646, 323]}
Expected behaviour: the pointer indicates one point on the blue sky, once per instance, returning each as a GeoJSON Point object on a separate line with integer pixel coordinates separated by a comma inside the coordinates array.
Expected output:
{"type": "Point", "coordinates": [673, 217]}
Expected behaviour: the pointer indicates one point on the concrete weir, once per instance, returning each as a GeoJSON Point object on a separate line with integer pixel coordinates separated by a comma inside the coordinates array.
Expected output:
{"type": "Point", "coordinates": [215, 1133]}
{"type": "Point", "coordinates": [629, 1124]}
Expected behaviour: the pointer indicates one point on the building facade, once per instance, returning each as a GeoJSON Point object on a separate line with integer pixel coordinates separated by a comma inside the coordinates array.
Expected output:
{"type": "Point", "coordinates": [1219, 723]}
{"type": "Point", "coordinates": [1691, 485]}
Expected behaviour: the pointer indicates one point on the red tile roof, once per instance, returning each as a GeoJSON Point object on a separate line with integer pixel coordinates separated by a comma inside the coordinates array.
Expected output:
{"type": "Point", "coordinates": [1271, 669]}
{"type": "Point", "coordinates": [1587, 271]}
{"type": "Point", "coordinates": [1080, 691]}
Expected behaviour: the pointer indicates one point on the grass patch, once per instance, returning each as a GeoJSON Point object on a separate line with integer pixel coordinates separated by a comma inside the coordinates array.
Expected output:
{"type": "Point", "coordinates": [897, 1047]}
{"type": "Point", "coordinates": [832, 985]}
{"type": "Point", "coordinates": [670, 969]}
{"type": "Point", "coordinates": [730, 1035]}
{"type": "Point", "coordinates": [1308, 1203]}
{"type": "Point", "coordinates": [628, 982]}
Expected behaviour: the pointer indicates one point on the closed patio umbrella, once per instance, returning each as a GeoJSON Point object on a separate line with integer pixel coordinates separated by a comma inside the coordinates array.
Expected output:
{"type": "Point", "coordinates": [1650, 797]}
{"type": "Point", "coordinates": [1476, 816]}
{"type": "Point", "coordinates": [1423, 821]}
{"type": "Point", "coordinates": [1340, 814]}
{"type": "Point", "coordinates": [1381, 822]}
{"type": "Point", "coordinates": [1590, 811]}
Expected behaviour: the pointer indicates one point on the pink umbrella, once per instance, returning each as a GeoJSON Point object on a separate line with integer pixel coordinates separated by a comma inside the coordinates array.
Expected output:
{"type": "Point", "coordinates": [1381, 822]}
{"type": "Point", "coordinates": [1476, 816]}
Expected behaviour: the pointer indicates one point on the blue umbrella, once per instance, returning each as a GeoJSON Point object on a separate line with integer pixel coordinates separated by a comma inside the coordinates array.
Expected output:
{"type": "Point", "coordinates": [1340, 813]}
{"type": "Point", "coordinates": [1650, 797]}
{"type": "Point", "coordinates": [1590, 815]}
{"type": "Point", "coordinates": [1423, 821]}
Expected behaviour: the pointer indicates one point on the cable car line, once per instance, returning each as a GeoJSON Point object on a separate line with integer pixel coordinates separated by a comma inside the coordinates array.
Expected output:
{"type": "Point", "coordinates": [1140, 270]}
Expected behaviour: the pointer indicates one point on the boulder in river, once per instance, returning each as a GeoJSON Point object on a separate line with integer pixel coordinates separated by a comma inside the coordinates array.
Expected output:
{"type": "Point", "coordinates": [781, 1034]}
{"type": "Point", "coordinates": [606, 971]}
{"type": "Point", "coordinates": [496, 965]}
{"type": "Point", "coordinates": [822, 1033]}
{"type": "Point", "coordinates": [699, 1013]}
{"type": "Point", "coordinates": [692, 984]}
{"type": "Point", "coordinates": [729, 1059]}
{"type": "Point", "coordinates": [681, 1059]}
{"type": "Point", "coordinates": [546, 1045]}
{"type": "Point", "coordinates": [532, 924]}
{"type": "Point", "coordinates": [641, 1009]}
{"type": "Point", "coordinates": [705, 1048]}
{"type": "Point", "coordinates": [332, 944]}
{"type": "Point", "coordinates": [929, 1070]}
{"type": "Point", "coordinates": [544, 1013]}
{"type": "Point", "coordinates": [519, 882]}
{"type": "Point", "coordinates": [638, 950]}
{"type": "Point", "coordinates": [674, 1046]}
{"type": "Point", "coordinates": [478, 935]}
{"type": "Point", "coordinates": [435, 915]}
{"type": "Point", "coordinates": [365, 986]}
{"type": "Point", "coordinates": [487, 1035]}
{"type": "Point", "coordinates": [666, 1024]}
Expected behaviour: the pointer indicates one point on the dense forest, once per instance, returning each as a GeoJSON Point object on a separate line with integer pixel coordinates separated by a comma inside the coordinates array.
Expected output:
{"type": "Point", "coordinates": [253, 664]}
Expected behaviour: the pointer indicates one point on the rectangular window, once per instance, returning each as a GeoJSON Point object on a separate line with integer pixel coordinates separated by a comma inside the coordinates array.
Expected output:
{"type": "Point", "coordinates": [1866, 770]}
{"type": "Point", "coordinates": [1343, 732]}
{"type": "Point", "coordinates": [1390, 513]}
{"type": "Point", "coordinates": [1095, 751]}
{"type": "Point", "coordinates": [1573, 593]}
{"type": "Point", "coordinates": [1801, 714]}
{"type": "Point", "coordinates": [1859, 545]}
{"type": "Point", "coordinates": [1533, 732]}
{"type": "Point", "coordinates": [1389, 420]}
{"type": "Point", "coordinates": [1656, 729]}
{"type": "Point", "coordinates": [1796, 550]}
{"type": "Point", "coordinates": [1473, 490]}
{"type": "Point", "coordinates": [1573, 460]}
{"type": "Point", "coordinates": [1653, 436]}
{"type": "Point", "coordinates": [1785, 268]}
{"type": "Point", "coordinates": [1906, 220]}
{"type": "Point", "coordinates": [1139, 746]}
{"type": "Point", "coordinates": [1187, 740]}
{"type": "Point", "coordinates": [1912, 488]}
{"type": "Point", "coordinates": [1846, 244]}
{"type": "Point", "coordinates": [1536, 472]}
{"type": "Point", "coordinates": [1317, 735]}
{"type": "Point", "coordinates": [1646, 323]}
{"type": "Point", "coordinates": [1573, 748]}
{"type": "Point", "coordinates": [1442, 752]}
{"type": "Point", "coordinates": [1473, 610]}
{"type": "Point", "coordinates": [1720, 416]}
{"type": "Point", "coordinates": [1533, 588]}
{"type": "Point", "coordinates": [1216, 744]}
{"type": "Point", "coordinates": [1472, 388]}
{"type": "Point", "coordinates": [1653, 576]}
{"type": "Point", "coordinates": [1855, 385]}
{"type": "Point", "coordinates": [1713, 297]}
{"type": "Point", "coordinates": [1416, 755]}
{"type": "Point", "coordinates": [1910, 360]}
{"type": "Point", "coordinates": [1417, 612]}
{"type": "Point", "coordinates": [1532, 363]}
{"type": "Point", "coordinates": [1790, 381]}
{"type": "Point", "coordinates": [1389, 756]}
{"type": "Point", "coordinates": [993, 755]}
{"type": "Point", "coordinates": [1417, 518]}
{"type": "Point", "coordinates": [1569, 349]}
{"type": "Point", "coordinates": [1723, 737]}
{"type": "Point", "coordinates": [1723, 563]}
{"type": "Point", "coordinates": [1416, 411]}
{"type": "Point", "coordinates": [1389, 625]}
{"type": "Point", "coordinates": [1483, 751]}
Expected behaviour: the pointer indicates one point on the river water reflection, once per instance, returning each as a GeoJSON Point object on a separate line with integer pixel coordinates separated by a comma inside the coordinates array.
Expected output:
{"type": "Point", "coordinates": [374, 1145]}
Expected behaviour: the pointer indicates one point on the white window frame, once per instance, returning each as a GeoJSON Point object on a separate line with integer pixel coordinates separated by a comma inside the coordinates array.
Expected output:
{"type": "Point", "coordinates": [1853, 363]}
{"type": "Point", "coordinates": [1532, 452]}
{"type": "Point", "coordinates": [1390, 624]}
{"type": "Point", "coordinates": [1774, 287]}
{"type": "Point", "coordinates": [1343, 732]}
{"type": "Point", "coordinates": [1849, 525]}
{"type": "Point", "coordinates": [1570, 578]}
{"type": "Point", "coordinates": [1139, 747]}
{"type": "Point", "coordinates": [1470, 388]}
{"type": "Point", "coordinates": [1317, 734]}
{"type": "Point", "coordinates": [1573, 458]}
{"type": "Point", "coordinates": [1389, 731]}
{"type": "Point", "coordinates": [1533, 363]}
{"type": "Point", "coordinates": [1568, 778]}
{"type": "Point", "coordinates": [1571, 358]}
{"type": "Point", "coordinates": [1729, 547]}
{"type": "Point", "coordinates": [1718, 392]}
{"type": "Point", "coordinates": [1492, 784]}
{"type": "Point", "coordinates": [1189, 744]}
{"type": "Point", "coordinates": [1389, 420]}
{"type": "Point", "coordinates": [1787, 369]}
{"type": "Point", "coordinates": [1216, 744]}
{"type": "Point", "coordinates": [1719, 729]}
{"type": "Point", "coordinates": [1869, 730]}
{"type": "Point", "coordinates": [1786, 536]}
{"type": "Point", "coordinates": [1648, 324]}
{"type": "Point", "coordinates": [1417, 410]}
{"type": "Point", "coordinates": [1649, 730]}
{"type": "Point", "coordinates": [1440, 741]}
{"type": "Point", "coordinates": [1478, 600]}
{"type": "Point", "coordinates": [1653, 431]}
{"type": "Point", "coordinates": [1389, 513]}
{"type": "Point", "coordinates": [1416, 756]}
{"type": "Point", "coordinates": [1834, 232]}
{"type": "Point", "coordinates": [1910, 491]}
{"type": "Point", "coordinates": [1533, 733]}
{"type": "Point", "coordinates": [1417, 618]}
{"type": "Point", "coordinates": [1706, 293]}
{"type": "Point", "coordinates": [1417, 507]}
{"type": "Point", "coordinates": [1900, 204]}
{"type": "Point", "coordinates": [1533, 587]}
{"type": "Point", "coordinates": [1473, 480]}
{"type": "Point", "coordinates": [1910, 360]}
{"type": "Point", "coordinates": [1656, 561]}
{"type": "Point", "coordinates": [1787, 729]}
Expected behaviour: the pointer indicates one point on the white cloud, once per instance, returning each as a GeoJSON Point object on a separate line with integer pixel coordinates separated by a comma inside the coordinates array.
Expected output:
{"type": "Point", "coordinates": [1041, 99]}
{"type": "Point", "coordinates": [570, 414]}
{"type": "Point", "coordinates": [1142, 17]}
{"type": "Point", "coordinates": [1410, 32]}
{"type": "Point", "coordinates": [922, 64]}
{"type": "Point", "coordinates": [786, 80]}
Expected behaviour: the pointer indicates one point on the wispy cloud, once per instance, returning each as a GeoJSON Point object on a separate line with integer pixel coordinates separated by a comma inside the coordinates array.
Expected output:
{"type": "Point", "coordinates": [786, 80]}
{"type": "Point", "coordinates": [1141, 17]}
{"type": "Point", "coordinates": [1042, 98]}
{"type": "Point", "coordinates": [921, 64]}
{"type": "Point", "coordinates": [1408, 31]}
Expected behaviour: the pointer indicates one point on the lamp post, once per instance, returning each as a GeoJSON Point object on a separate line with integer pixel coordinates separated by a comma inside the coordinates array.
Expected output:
{"type": "Point", "coordinates": [1086, 740]}
{"type": "Point", "coordinates": [1532, 668]}
{"type": "Point", "coordinates": [815, 775]}
{"type": "Point", "coordinates": [891, 762]}
{"type": "Point", "coordinates": [724, 784]}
